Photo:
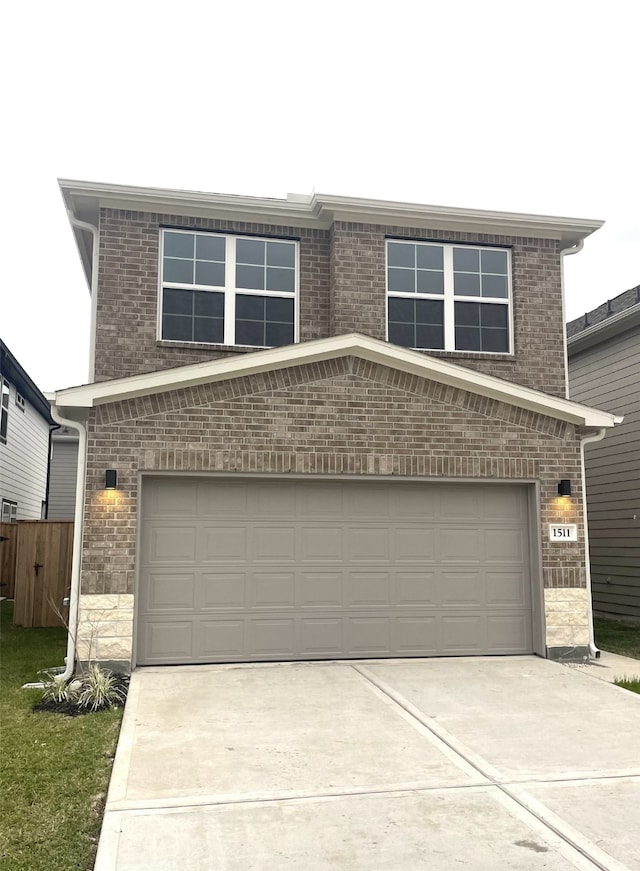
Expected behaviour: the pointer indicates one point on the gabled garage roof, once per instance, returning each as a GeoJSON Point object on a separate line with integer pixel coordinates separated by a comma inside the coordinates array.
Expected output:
{"type": "Point", "coordinates": [354, 345]}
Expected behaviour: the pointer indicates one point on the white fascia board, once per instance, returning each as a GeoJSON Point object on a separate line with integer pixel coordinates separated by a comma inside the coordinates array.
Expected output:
{"type": "Point", "coordinates": [364, 347]}
{"type": "Point", "coordinates": [452, 218]}
{"type": "Point", "coordinates": [191, 203]}
{"type": "Point", "coordinates": [321, 210]}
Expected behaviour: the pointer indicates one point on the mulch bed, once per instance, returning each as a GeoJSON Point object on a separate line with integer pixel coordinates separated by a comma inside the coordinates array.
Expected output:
{"type": "Point", "coordinates": [71, 709]}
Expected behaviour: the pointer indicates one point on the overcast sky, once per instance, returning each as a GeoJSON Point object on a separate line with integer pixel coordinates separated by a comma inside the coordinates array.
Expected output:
{"type": "Point", "coordinates": [494, 105]}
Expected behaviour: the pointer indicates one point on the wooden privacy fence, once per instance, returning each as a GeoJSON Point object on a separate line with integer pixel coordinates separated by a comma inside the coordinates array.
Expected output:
{"type": "Point", "coordinates": [40, 577]}
{"type": "Point", "coordinates": [8, 542]}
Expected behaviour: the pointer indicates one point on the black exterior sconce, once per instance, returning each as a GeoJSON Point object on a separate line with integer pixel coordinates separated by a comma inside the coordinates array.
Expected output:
{"type": "Point", "coordinates": [110, 479]}
{"type": "Point", "coordinates": [564, 487]}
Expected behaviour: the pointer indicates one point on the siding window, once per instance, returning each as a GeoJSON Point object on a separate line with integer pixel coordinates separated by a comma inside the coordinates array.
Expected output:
{"type": "Point", "coordinates": [4, 411]}
{"type": "Point", "coordinates": [20, 401]}
{"type": "Point", "coordinates": [228, 290]}
{"type": "Point", "coordinates": [9, 511]}
{"type": "Point", "coordinates": [448, 297]}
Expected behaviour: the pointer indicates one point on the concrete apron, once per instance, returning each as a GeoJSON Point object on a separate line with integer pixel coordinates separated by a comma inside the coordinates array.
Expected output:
{"type": "Point", "coordinates": [485, 763]}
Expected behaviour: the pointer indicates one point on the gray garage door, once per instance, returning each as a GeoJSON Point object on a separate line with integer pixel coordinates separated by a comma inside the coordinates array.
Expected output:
{"type": "Point", "coordinates": [265, 569]}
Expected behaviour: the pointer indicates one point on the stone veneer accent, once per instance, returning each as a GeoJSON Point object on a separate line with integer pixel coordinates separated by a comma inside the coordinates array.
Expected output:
{"type": "Point", "coordinates": [567, 616]}
{"type": "Point", "coordinates": [105, 628]}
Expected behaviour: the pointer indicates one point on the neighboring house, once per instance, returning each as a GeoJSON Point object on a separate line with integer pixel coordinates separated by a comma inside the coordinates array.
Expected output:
{"type": "Point", "coordinates": [62, 476]}
{"type": "Point", "coordinates": [274, 472]}
{"type": "Point", "coordinates": [25, 424]}
{"type": "Point", "coordinates": [604, 369]}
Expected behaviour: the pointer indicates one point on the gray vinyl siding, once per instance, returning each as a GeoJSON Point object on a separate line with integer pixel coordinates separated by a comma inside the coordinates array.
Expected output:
{"type": "Point", "coordinates": [607, 376]}
{"type": "Point", "coordinates": [24, 459]}
{"type": "Point", "coordinates": [62, 482]}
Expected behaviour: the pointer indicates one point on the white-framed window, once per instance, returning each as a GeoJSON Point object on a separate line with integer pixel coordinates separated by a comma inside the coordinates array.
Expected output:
{"type": "Point", "coordinates": [228, 290]}
{"type": "Point", "coordinates": [449, 297]}
{"type": "Point", "coordinates": [9, 511]}
{"type": "Point", "coordinates": [4, 410]}
{"type": "Point", "coordinates": [20, 401]}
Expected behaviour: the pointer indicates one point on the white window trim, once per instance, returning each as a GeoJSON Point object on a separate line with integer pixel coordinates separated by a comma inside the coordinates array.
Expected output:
{"type": "Point", "coordinates": [9, 508]}
{"type": "Point", "coordinates": [448, 298]}
{"type": "Point", "coordinates": [229, 290]}
{"type": "Point", "coordinates": [20, 401]}
{"type": "Point", "coordinates": [4, 408]}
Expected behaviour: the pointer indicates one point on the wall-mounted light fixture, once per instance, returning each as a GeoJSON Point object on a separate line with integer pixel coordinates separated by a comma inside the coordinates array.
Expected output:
{"type": "Point", "coordinates": [110, 479]}
{"type": "Point", "coordinates": [564, 487]}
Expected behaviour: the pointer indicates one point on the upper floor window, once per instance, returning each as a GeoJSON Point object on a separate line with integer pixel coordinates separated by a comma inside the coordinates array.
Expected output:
{"type": "Point", "coordinates": [4, 411]}
{"type": "Point", "coordinates": [228, 290]}
{"type": "Point", "coordinates": [448, 297]}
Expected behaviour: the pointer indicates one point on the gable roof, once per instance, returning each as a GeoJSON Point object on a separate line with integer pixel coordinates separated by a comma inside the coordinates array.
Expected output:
{"type": "Point", "coordinates": [11, 369]}
{"type": "Point", "coordinates": [352, 344]}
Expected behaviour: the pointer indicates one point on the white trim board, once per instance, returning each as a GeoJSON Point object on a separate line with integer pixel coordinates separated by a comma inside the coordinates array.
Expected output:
{"type": "Point", "coordinates": [84, 199]}
{"type": "Point", "coordinates": [352, 344]}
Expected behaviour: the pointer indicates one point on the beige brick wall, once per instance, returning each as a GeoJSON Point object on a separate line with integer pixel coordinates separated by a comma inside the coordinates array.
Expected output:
{"type": "Point", "coordinates": [340, 417]}
{"type": "Point", "coordinates": [342, 289]}
{"type": "Point", "coordinates": [127, 299]}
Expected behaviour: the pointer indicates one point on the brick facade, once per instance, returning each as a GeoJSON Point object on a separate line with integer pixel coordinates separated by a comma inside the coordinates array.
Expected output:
{"type": "Point", "coordinates": [342, 290]}
{"type": "Point", "coordinates": [341, 417]}
{"type": "Point", "coordinates": [127, 303]}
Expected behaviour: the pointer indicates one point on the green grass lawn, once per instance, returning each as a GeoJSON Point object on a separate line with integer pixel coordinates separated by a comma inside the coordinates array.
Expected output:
{"type": "Point", "coordinates": [617, 637]}
{"type": "Point", "coordinates": [54, 770]}
{"type": "Point", "coordinates": [632, 683]}
{"type": "Point", "coordinates": [620, 638]}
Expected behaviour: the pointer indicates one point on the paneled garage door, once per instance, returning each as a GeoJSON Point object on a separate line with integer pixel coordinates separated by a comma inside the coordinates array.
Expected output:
{"type": "Point", "coordinates": [265, 569]}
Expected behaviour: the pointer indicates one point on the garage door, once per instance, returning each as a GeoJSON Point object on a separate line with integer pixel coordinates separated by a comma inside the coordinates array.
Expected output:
{"type": "Point", "coordinates": [266, 569]}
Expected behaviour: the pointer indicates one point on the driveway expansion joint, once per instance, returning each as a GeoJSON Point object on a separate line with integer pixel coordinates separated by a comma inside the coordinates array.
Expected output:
{"type": "Point", "coordinates": [312, 735]}
{"type": "Point", "coordinates": [559, 828]}
{"type": "Point", "coordinates": [463, 757]}
{"type": "Point", "coordinates": [187, 802]}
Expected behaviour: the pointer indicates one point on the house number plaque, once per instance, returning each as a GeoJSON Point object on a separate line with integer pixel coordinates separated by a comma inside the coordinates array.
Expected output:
{"type": "Point", "coordinates": [563, 532]}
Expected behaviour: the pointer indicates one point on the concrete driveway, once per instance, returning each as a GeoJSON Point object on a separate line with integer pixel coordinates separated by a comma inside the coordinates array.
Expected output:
{"type": "Point", "coordinates": [483, 763]}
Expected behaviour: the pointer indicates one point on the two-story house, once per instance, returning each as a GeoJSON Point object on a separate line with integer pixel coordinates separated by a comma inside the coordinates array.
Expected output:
{"type": "Point", "coordinates": [604, 368]}
{"type": "Point", "coordinates": [324, 427]}
{"type": "Point", "coordinates": [25, 427]}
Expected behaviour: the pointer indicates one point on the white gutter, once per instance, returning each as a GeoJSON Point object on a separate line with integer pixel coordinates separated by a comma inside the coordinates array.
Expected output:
{"type": "Point", "coordinates": [93, 289]}
{"type": "Point", "coordinates": [565, 252]}
{"type": "Point", "coordinates": [76, 560]}
{"type": "Point", "coordinates": [589, 439]}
